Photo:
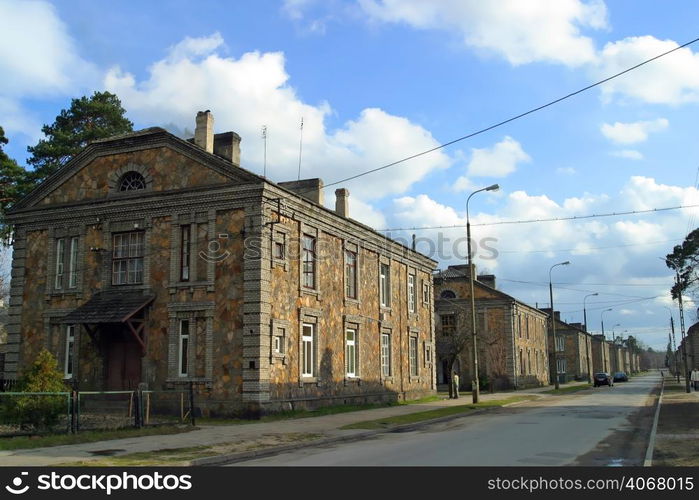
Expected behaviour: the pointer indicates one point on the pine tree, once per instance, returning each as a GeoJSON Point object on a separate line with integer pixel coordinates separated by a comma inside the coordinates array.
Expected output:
{"type": "Point", "coordinates": [14, 183]}
{"type": "Point", "coordinates": [87, 119]}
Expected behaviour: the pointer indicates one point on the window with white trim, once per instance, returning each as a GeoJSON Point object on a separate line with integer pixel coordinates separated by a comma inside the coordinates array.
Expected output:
{"type": "Point", "coordinates": [279, 344]}
{"type": "Point", "coordinates": [561, 365]}
{"type": "Point", "coordinates": [351, 352]}
{"type": "Point", "coordinates": [60, 258]}
{"type": "Point", "coordinates": [73, 263]}
{"type": "Point", "coordinates": [350, 274]}
{"type": "Point", "coordinates": [183, 357]}
{"type": "Point", "coordinates": [386, 354]}
{"type": "Point", "coordinates": [127, 258]}
{"type": "Point", "coordinates": [413, 357]}
{"type": "Point", "coordinates": [411, 293]}
{"type": "Point", "coordinates": [560, 343]}
{"type": "Point", "coordinates": [70, 345]}
{"type": "Point", "coordinates": [307, 351]}
{"type": "Point", "coordinates": [308, 256]}
{"type": "Point", "coordinates": [428, 354]}
{"type": "Point", "coordinates": [385, 285]}
{"type": "Point", "coordinates": [425, 292]}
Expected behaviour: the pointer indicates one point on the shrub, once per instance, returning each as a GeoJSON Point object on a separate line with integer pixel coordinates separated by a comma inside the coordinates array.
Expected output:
{"type": "Point", "coordinates": [37, 411]}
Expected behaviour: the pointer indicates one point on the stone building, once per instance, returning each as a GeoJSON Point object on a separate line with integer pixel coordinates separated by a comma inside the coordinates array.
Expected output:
{"type": "Point", "coordinates": [601, 354]}
{"type": "Point", "coordinates": [574, 351]}
{"type": "Point", "coordinates": [148, 259]}
{"type": "Point", "coordinates": [512, 345]}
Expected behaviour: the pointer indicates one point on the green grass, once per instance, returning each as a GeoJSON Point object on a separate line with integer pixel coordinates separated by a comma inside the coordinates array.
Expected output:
{"type": "Point", "coordinates": [568, 390]}
{"type": "Point", "coordinates": [24, 442]}
{"type": "Point", "coordinates": [411, 418]}
{"type": "Point", "coordinates": [426, 399]}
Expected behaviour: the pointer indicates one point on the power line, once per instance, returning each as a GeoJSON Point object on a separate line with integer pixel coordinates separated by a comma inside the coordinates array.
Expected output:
{"type": "Point", "coordinates": [553, 219]}
{"type": "Point", "coordinates": [516, 117]}
{"type": "Point", "coordinates": [555, 250]}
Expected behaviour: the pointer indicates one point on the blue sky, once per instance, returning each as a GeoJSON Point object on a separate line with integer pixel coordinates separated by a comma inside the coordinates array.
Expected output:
{"type": "Point", "coordinates": [379, 80]}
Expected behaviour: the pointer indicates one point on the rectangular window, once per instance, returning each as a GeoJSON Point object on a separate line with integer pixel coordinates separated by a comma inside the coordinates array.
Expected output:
{"type": "Point", "coordinates": [529, 361]}
{"type": "Point", "coordinates": [60, 259]}
{"type": "Point", "coordinates": [351, 352]}
{"type": "Point", "coordinates": [73, 263]}
{"type": "Point", "coordinates": [308, 255]}
{"type": "Point", "coordinates": [385, 285]}
{"type": "Point", "coordinates": [428, 354]}
{"type": "Point", "coordinates": [448, 324]}
{"type": "Point", "coordinates": [411, 293]}
{"type": "Point", "coordinates": [519, 326]}
{"type": "Point", "coordinates": [127, 258]}
{"type": "Point", "coordinates": [185, 252]}
{"type": "Point", "coordinates": [560, 343]}
{"type": "Point", "coordinates": [425, 292]}
{"type": "Point", "coordinates": [521, 362]}
{"type": "Point", "coordinates": [70, 343]}
{"type": "Point", "coordinates": [184, 348]}
{"type": "Point", "coordinates": [279, 251]}
{"type": "Point", "coordinates": [413, 357]}
{"type": "Point", "coordinates": [279, 346]}
{"type": "Point", "coordinates": [350, 275]}
{"type": "Point", "coordinates": [386, 354]}
{"type": "Point", "coordinates": [307, 354]}
{"type": "Point", "coordinates": [561, 365]}
{"type": "Point", "coordinates": [527, 326]}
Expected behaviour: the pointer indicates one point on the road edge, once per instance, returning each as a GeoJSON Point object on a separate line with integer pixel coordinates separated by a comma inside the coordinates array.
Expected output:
{"type": "Point", "coordinates": [648, 462]}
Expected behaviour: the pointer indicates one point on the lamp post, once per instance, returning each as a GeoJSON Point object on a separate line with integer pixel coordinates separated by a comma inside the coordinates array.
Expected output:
{"type": "Point", "coordinates": [606, 363]}
{"type": "Point", "coordinates": [554, 368]}
{"type": "Point", "coordinates": [587, 339]}
{"type": "Point", "coordinates": [474, 371]}
{"type": "Point", "coordinates": [585, 310]}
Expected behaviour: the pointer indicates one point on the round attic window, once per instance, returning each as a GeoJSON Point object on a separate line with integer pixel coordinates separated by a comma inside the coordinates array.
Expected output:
{"type": "Point", "coordinates": [132, 181]}
{"type": "Point", "coordinates": [447, 294]}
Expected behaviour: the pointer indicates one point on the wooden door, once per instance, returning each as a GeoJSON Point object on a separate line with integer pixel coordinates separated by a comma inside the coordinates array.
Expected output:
{"type": "Point", "coordinates": [123, 364]}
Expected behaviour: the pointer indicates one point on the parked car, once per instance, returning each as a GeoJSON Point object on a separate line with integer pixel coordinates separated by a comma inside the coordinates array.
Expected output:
{"type": "Point", "coordinates": [621, 377]}
{"type": "Point", "coordinates": [603, 378]}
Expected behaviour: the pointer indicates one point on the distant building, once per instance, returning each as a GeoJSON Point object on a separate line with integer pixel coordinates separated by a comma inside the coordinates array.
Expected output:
{"type": "Point", "coordinates": [512, 345]}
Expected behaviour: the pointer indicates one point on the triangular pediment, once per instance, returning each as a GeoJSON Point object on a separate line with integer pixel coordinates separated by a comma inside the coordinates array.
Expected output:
{"type": "Point", "coordinates": [165, 162]}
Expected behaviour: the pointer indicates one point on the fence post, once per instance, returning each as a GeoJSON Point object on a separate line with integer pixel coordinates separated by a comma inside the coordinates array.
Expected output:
{"type": "Point", "coordinates": [74, 411]}
{"type": "Point", "coordinates": [137, 408]}
{"type": "Point", "coordinates": [191, 403]}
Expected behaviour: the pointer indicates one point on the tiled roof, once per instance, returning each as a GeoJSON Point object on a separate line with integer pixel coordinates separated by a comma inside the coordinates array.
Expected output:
{"type": "Point", "coordinates": [109, 307]}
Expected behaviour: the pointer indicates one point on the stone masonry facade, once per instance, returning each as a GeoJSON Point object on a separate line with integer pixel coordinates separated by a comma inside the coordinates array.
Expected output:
{"type": "Point", "coordinates": [264, 316]}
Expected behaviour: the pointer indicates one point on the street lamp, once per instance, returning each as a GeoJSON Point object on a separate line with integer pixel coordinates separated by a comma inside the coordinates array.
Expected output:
{"type": "Point", "coordinates": [554, 369]}
{"type": "Point", "coordinates": [585, 310]}
{"type": "Point", "coordinates": [604, 341]}
{"type": "Point", "coordinates": [474, 372]}
{"type": "Point", "coordinates": [587, 339]}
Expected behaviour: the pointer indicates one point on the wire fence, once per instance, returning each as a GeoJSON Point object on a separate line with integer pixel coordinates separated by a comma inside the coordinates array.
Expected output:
{"type": "Point", "coordinates": [30, 413]}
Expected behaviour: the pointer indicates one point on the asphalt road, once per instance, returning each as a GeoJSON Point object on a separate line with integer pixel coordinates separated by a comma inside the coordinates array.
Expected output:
{"type": "Point", "coordinates": [602, 426]}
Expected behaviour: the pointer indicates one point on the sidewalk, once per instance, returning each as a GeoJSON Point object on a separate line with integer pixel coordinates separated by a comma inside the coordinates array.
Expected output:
{"type": "Point", "coordinates": [328, 426]}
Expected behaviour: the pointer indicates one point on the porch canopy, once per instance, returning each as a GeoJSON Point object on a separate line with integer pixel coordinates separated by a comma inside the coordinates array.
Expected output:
{"type": "Point", "coordinates": [113, 307]}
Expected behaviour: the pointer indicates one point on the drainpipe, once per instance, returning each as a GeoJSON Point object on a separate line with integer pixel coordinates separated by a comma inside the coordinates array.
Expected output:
{"type": "Point", "coordinates": [514, 347]}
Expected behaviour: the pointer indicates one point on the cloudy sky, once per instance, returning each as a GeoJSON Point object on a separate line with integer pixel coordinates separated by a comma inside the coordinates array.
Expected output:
{"type": "Point", "coordinates": [376, 81]}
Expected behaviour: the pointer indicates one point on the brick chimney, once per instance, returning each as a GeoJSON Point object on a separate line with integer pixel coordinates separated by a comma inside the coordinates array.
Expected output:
{"type": "Point", "coordinates": [204, 132]}
{"type": "Point", "coordinates": [227, 145]}
{"type": "Point", "coordinates": [311, 189]}
{"type": "Point", "coordinates": [342, 202]}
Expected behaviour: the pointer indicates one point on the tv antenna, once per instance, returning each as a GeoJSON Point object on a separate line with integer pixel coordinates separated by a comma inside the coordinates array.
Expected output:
{"type": "Point", "coordinates": [300, 147]}
{"type": "Point", "coordinates": [264, 140]}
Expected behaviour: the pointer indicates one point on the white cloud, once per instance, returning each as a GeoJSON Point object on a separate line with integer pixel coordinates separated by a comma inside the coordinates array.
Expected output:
{"type": "Point", "coordinates": [246, 93]}
{"type": "Point", "coordinates": [630, 154]}
{"type": "Point", "coordinates": [673, 79]}
{"type": "Point", "coordinates": [521, 32]}
{"type": "Point", "coordinates": [37, 55]}
{"type": "Point", "coordinates": [630, 133]}
{"type": "Point", "coordinates": [499, 161]}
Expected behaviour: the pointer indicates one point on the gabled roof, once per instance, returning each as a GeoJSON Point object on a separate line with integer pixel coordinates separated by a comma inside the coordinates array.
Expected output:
{"type": "Point", "coordinates": [109, 307]}
{"type": "Point", "coordinates": [133, 141]}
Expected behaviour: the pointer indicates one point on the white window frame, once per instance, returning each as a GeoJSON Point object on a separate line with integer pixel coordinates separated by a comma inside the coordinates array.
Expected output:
{"type": "Point", "coordinates": [349, 254]}
{"type": "Point", "coordinates": [279, 341]}
{"type": "Point", "coordinates": [181, 338]}
{"type": "Point", "coordinates": [414, 365]}
{"type": "Point", "coordinates": [411, 293]}
{"type": "Point", "coordinates": [425, 292]}
{"type": "Point", "coordinates": [69, 360]}
{"type": "Point", "coordinates": [385, 355]}
{"type": "Point", "coordinates": [308, 350]}
{"type": "Point", "coordinates": [73, 262]}
{"type": "Point", "coordinates": [351, 353]}
{"type": "Point", "coordinates": [385, 284]}
{"type": "Point", "coordinates": [561, 365]}
{"type": "Point", "coordinates": [60, 262]}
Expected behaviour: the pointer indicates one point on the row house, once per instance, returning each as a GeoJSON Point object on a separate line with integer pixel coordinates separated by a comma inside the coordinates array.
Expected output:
{"type": "Point", "coordinates": [601, 354]}
{"type": "Point", "coordinates": [574, 357]}
{"type": "Point", "coordinates": [156, 261]}
{"type": "Point", "coordinates": [511, 335]}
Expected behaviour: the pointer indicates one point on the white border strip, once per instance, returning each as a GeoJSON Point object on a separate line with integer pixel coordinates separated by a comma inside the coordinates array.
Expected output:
{"type": "Point", "coordinates": [651, 444]}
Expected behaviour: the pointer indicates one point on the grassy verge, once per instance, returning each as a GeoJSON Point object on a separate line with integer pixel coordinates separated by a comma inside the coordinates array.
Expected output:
{"type": "Point", "coordinates": [184, 456]}
{"type": "Point", "coordinates": [568, 390]}
{"type": "Point", "coordinates": [411, 418]}
{"type": "Point", "coordinates": [677, 441]}
{"type": "Point", "coordinates": [24, 442]}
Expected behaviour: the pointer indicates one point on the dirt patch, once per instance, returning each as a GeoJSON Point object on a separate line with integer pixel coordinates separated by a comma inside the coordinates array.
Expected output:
{"type": "Point", "coordinates": [184, 456]}
{"type": "Point", "coordinates": [625, 447]}
{"type": "Point", "coordinates": [677, 441]}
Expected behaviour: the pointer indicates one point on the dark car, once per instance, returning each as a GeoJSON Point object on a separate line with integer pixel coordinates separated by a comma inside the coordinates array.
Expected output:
{"type": "Point", "coordinates": [603, 378]}
{"type": "Point", "coordinates": [621, 377]}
